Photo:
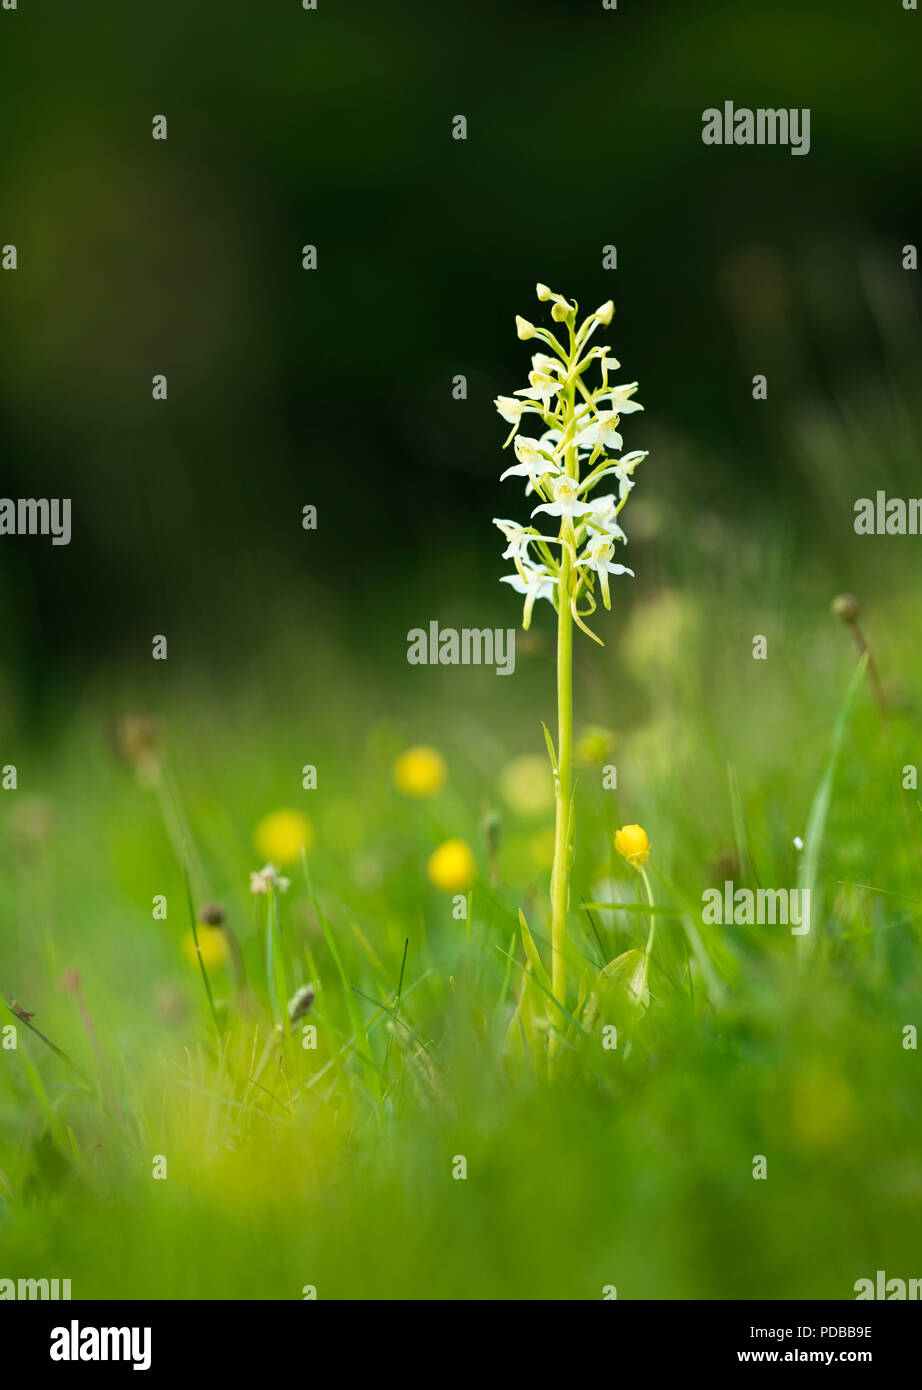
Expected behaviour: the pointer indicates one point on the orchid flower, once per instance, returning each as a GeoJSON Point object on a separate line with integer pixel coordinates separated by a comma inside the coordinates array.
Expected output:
{"type": "Point", "coordinates": [565, 491]}
{"type": "Point", "coordinates": [579, 447]}
{"type": "Point", "coordinates": [537, 582]}
{"type": "Point", "coordinates": [597, 557]}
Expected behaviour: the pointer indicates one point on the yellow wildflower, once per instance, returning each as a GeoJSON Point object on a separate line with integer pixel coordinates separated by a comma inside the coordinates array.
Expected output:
{"type": "Point", "coordinates": [451, 867]}
{"type": "Point", "coordinates": [631, 841]}
{"type": "Point", "coordinates": [280, 836]}
{"type": "Point", "coordinates": [420, 771]}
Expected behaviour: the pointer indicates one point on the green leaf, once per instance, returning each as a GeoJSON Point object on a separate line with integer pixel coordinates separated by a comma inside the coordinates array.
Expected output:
{"type": "Point", "coordinates": [819, 810]}
{"type": "Point", "coordinates": [526, 969]}
{"type": "Point", "coordinates": [551, 751]}
{"type": "Point", "coordinates": [620, 990]}
{"type": "Point", "coordinates": [531, 951]}
{"type": "Point", "coordinates": [633, 907]}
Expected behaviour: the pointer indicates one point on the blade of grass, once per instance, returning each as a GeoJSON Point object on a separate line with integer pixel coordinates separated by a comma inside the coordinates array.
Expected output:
{"type": "Point", "coordinates": [819, 809]}
{"type": "Point", "coordinates": [58, 1052]}
{"type": "Point", "coordinates": [390, 1038]}
{"type": "Point", "coordinates": [214, 1012]}
{"type": "Point", "coordinates": [556, 1002]}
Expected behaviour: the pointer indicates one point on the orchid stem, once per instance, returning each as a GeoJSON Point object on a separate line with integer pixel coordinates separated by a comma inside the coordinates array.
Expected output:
{"type": "Point", "coordinates": [560, 876]}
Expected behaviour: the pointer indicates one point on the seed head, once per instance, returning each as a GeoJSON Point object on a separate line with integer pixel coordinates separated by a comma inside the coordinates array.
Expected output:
{"type": "Point", "coordinates": [138, 737]}
{"type": "Point", "coordinates": [211, 915]}
{"type": "Point", "coordinates": [300, 1003]}
{"type": "Point", "coordinates": [845, 607]}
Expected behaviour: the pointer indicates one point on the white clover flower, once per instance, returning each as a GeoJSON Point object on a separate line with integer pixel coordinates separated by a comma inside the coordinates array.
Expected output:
{"type": "Point", "coordinates": [268, 877]}
{"type": "Point", "coordinates": [537, 582]}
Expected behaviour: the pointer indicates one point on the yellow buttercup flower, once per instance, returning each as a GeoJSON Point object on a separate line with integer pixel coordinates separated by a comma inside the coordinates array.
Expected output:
{"type": "Point", "coordinates": [631, 841]}
{"type": "Point", "coordinates": [451, 867]}
{"type": "Point", "coordinates": [420, 771]}
{"type": "Point", "coordinates": [280, 836]}
{"type": "Point", "coordinates": [212, 945]}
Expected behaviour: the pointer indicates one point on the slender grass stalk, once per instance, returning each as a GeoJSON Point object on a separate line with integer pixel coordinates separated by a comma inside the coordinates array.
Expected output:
{"type": "Point", "coordinates": [396, 1009]}
{"type": "Point", "coordinates": [198, 952]}
{"type": "Point", "coordinates": [275, 970]}
{"type": "Point", "coordinates": [21, 1017]}
{"type": "Point", "coordinates": [845, 607]}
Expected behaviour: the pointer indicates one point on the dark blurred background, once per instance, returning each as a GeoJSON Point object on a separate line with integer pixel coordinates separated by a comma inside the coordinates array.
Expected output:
{"type": "Point", "coordinates": [333, 387]}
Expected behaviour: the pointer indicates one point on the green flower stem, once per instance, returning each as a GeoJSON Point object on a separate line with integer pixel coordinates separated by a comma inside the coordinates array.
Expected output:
{"type": "Point", "coordinates": [560, 877]}
{"type": "Point", "coordinates": [646, 883]}
{"type": "Point", "coordinates": [273, 952]}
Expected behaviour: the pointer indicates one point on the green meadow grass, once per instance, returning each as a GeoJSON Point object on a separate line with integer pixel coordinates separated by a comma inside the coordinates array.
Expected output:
{"type": "Point", "coordinates": [333, 1167]}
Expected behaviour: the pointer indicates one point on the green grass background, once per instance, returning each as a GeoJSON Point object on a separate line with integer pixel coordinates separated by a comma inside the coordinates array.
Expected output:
{"type": "Point", "coordinates": [635, 1169]}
